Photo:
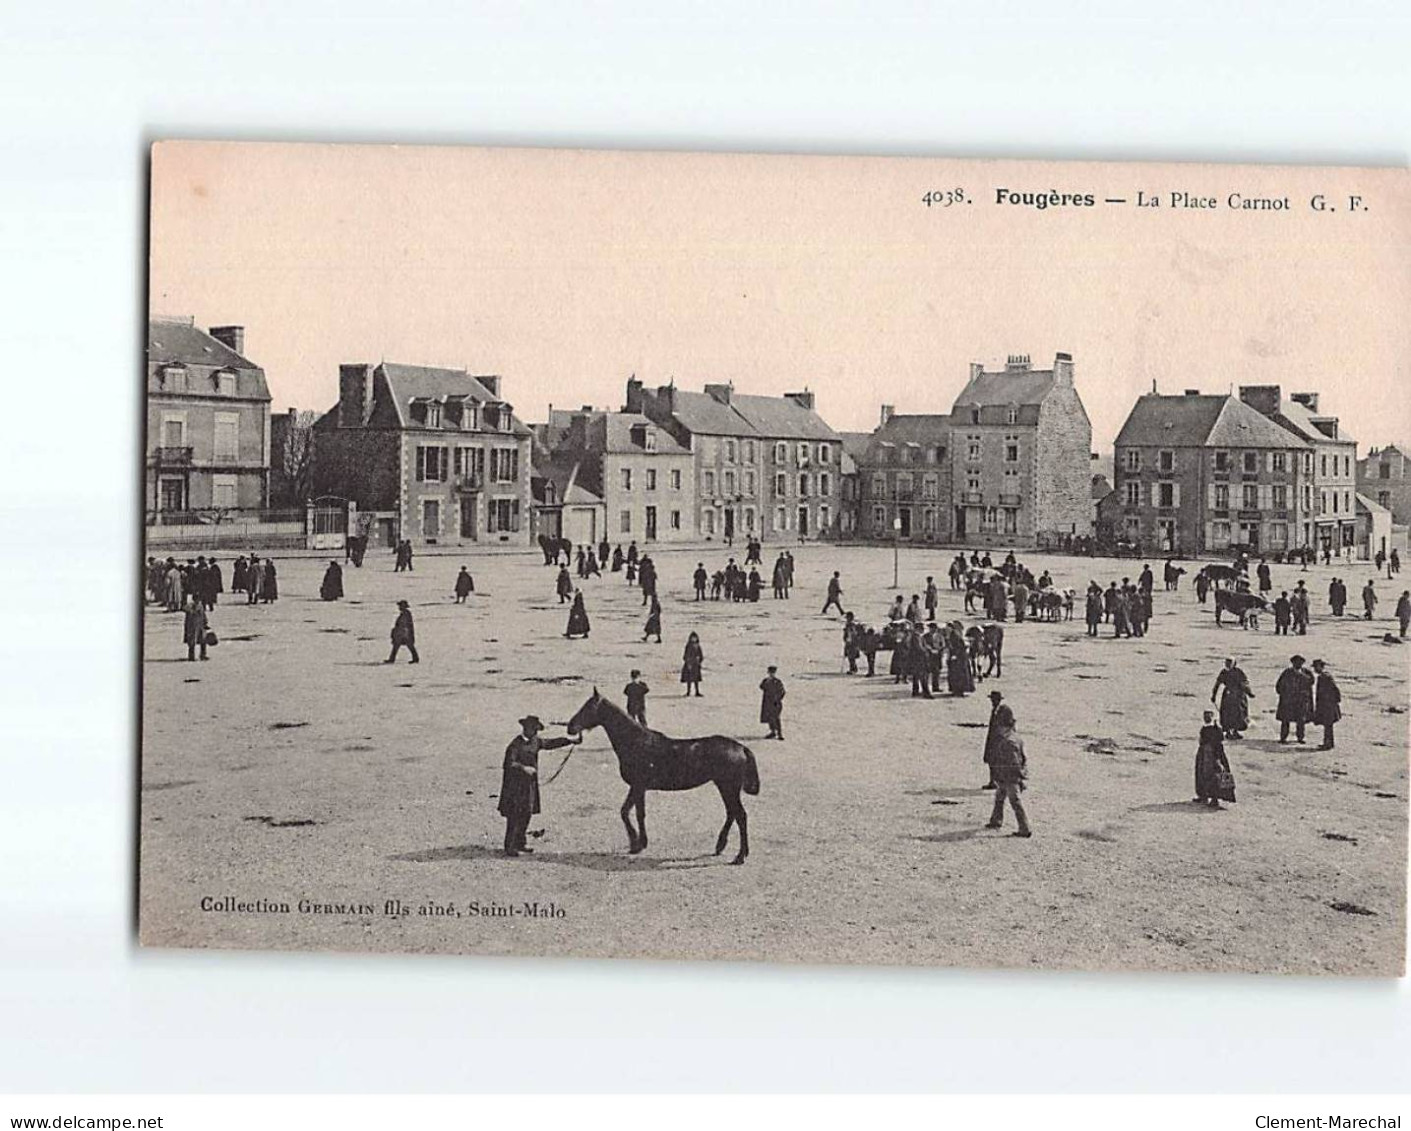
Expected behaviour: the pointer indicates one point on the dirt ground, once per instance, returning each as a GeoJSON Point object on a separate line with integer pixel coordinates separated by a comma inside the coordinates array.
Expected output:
{"type": "Point", "coordinates": [296, 766]}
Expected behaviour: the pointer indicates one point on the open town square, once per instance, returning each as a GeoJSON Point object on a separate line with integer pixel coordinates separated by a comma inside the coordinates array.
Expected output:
{"type": "Point", "coordinates": [299, 791]}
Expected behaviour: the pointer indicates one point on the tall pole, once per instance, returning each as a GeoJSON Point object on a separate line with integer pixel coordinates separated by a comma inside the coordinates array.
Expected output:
{"type": "Point", "coordinates": [896, 552]}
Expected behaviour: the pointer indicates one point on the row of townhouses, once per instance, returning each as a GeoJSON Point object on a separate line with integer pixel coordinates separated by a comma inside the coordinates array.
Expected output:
{"type": "Point", "coordinates": [438, 456]}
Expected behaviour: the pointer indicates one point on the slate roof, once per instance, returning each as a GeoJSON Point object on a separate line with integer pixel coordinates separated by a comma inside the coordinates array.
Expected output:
{"type": "Point", "coordinates": [1301, 420]}
{"type": "Point", "coordinates": [769, 418]}
{"type": "Point", "coordinates": [915, 430]}
{"type": "Point", "coordinates": [617, 435]}
{"type": "Point", "coordinates": [855, 443]}
{"type": "Point", "coordinates": [1007, 387]}
{"type": "Point", "coordinates": [1371, 506]}
{"type": "Point", "coordinates": [568, 480]}
{"type": "Point", "coordinates": [178, 341]}
{"type": "Point", "coordinates": [408, 383]}
{"type": "Point", "coordinates": [1201, 420]}
{"type": "Point", "coordinates": [702, 414]}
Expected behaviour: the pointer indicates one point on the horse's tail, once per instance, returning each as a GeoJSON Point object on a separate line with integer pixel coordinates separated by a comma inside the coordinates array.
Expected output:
{"type": "Point", "coordinates": [750, 784]}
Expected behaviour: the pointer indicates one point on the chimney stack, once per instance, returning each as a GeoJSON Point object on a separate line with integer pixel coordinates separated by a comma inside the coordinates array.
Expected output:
{"type": "Point", "coordinates": [1262, 398]}
{"type": "Point", "coordinates": [492, 382]}
{"type": "Point", "coordinates": [1063, 369]}
{"type": "Point", "coordinates": [803, 400]}
{"type": "Point", "coordinates": [720, 393]}
{"type": "Point", "coordinates": [232, 337]}
{"type": "Point", "coordinates": [354, 395]}
{"type": "Point", "coordinates": [976, 370]}
{"type": "Point", "coordinates": [634, 395]}
{"type": "Point", "coordinates": [1192, 392]}
{"type": "Point", "coordinates": [887, 411]}
{"type": "Point", "coordinates": [1017, 362]}
{"type": "Point", "coordinates": [1307, 400]}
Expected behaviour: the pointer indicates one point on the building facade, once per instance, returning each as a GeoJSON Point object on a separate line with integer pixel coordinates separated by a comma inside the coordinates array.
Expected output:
{"type": "Point", "coordinates": [1020, 452]}
{"type": "Point", "coordinates": [904, 479]}
{"type": "Point", "coordinates": [644, 476]}
{"type": "Point", "coordinates": [435, 456]}
{"type": "Point", "coordinates": [766, 467]}
{"type": "Point", "coordinates": [208, 422]}
{"type": "Point", "coordinates": [1384, 476]}
{"type": "Point", "coordinates": [1328, 483]}
{"type": "Point", "coordinates": [1206, 474]}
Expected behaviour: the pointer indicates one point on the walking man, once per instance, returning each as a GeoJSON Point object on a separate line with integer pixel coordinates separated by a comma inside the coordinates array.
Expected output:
{"type": "Point", "coordinates": [1009, 768]}
{"type": "Point", "coordinates": [1369, 600]}
{"type": "Point", "coordinates": [995, 700]}
{"type": "Point", "coordinates": [771, 705]}
{"type": "Point", "coordinates": [835, 594]}
{"type": "Point", "coordinates": [403, 632]}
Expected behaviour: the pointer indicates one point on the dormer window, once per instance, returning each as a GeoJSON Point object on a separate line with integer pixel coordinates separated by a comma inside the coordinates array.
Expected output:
{"type": "Point", "coordinates": [225, 383]}
{"type": "Point", "coordinates": [468, 415]}
{"type": "Point", "coordinates": [1011, 415]}
{"type": "Point", "coordinates": [974, 416]}
{"type": "Point", "coordinates": [649, 440]}
{"type": "Point", "coordinates": [174, 378]}
{"type": "Point", "coordinates": [433, 416]}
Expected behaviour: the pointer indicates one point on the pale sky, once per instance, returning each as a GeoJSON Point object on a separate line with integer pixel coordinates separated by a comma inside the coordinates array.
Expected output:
{"type": "Point", "coordinates": [567, 271]}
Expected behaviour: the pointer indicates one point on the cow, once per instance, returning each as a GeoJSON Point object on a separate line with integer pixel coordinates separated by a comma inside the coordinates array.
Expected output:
{"type": "Point", "coordinates": [1245, 606]}
{"type": "Point", "coordinates": [986, 640]}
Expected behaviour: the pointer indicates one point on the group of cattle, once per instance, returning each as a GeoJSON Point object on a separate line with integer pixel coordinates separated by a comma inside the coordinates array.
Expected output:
{"type": "Point", "coordinates": [1051, 604]}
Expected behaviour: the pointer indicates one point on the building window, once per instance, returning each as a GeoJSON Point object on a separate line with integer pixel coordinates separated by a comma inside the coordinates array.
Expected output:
{"type": "Point", "coordinates": [989, 523]}
{"type": "Point", "coordinates": [1280, 498]}
{"type": "Point", "coordinates": [225, 383]}
{"type": "Point", "coordinates": [1134, 529]}
{"type": "Point", "coordinates": [649, 440]}
{"type": "Point", "coordinates": [879, 519]}
{"type": "Point", "coordinates": [1335, 502]}
{"type": "Point", "coordinates": [749, 451]}
{"type": "Point", "coordinates": [749, 519]}
{"type": "Point", "coordinates": [1347, 501]}
{"type": "Point", "coordinates": [1323, 466]}
{"type": "Point", "coordinates": [675, 520]}
{"type": "Point", "coordinates": [470, 462]}
{"type": "Point", "coordinates": [803, 455]}
{"type": "Point", "coordinates": [676, 479]}
{"type": "Point", "coordinates": [727, 480]}
{"type": "Point", "coordinates": [781, 452]}
{"type": "Point", "coordinates": [973, 484]}
{"type": "Point", "coordinates": [174, 379]}
{"type": "Point", "coordinates": [1011, 415]}
{"type": "Point", "coordinates": [469, 417]}
{"type": "Point", "coordinates": [803, 486]}
{"type": "Point", "coordinates": [709, 519]}
{"type": "Point", "coordinates": [1307, 497]}
{"type": "Point", "coordinates": [651, 479]}
{"type": "Point", "coordinates": [227, 438]}
{"type": "Point", "coordinates": [928, 487]}
{"type": "Point", "coordinates": [1134, 459]}
{"type": "Point", "coordinates": [624, 522]}
{"type": "Point", "coordinates": [504, 466]}
{"type": "Point", "coordinates": [1346, 466]}
{"type": "Point", "coordinates": [1323, 502]}
{"type": "Point", "coordinates": [433, 416]}
{"type": "Point", "coordinates": [904, 454]}
{"type": "Point", "coordinates": [224, 492]}
{"type": "Point", "coordinates": [781, 484]}
{"type": "Point", "coordinates": [1011, 449]}
{"type": "Point", "coordinates": [1011, 520]}
{"type": "Point", "coordinates": [1249, 497]}
{"type": "Point", "coordinates": [825, 484]}
{"type": "Point", "coordinates": [1384, 499]}
{"type": "Point", "coordinates": [1166, 461]}
{"type": "Point", "coordinates": [1219, 535]}
{"type": "Point", "coordinates": [1278, 535]}
{"type": "Point", "coordinates": [825, 453]}
{"type": "Point", "coordinates": [879, 486]}
{"type": "Point", "coordinates": [431, 519]}
{"type": "Point", "coordinates": [1222, 496]}
{"type": "Point", "coordinates": [1166, 494]}
{"type": "Point", "coordinates": [502, 516]}
{"type": "Point", "coordinates": [707, 483]}
{"type": "Point", "coordinates": [1251, 463]}
{"type": "Point", "coordinates": [1134, 493]}
{"type": "Point", "coordinates": [781, 518]}
{"type": "Point", "coordinates": [972, 449]}
{"type": "Point", "coordinates": [822, 518]}
{"type": "Point", "coordinates": [626, 478]}
{"type": "Point", "coordinates": [729, 451]}
{"type": "Point", "coordinates": [174, 430]}
{"type": "Point", "coordinates": [904, 485]}
{"type": "Point", "coordinates": [430, 464]}
{"type": "Point", "coordinates": [749, 483]}
{"type": "Point", "coordinates": [1222, 461]}
{"type": "Point", "coordinates": [974, 416]}
{"type": "Point", "coordinates": [1279, 461]}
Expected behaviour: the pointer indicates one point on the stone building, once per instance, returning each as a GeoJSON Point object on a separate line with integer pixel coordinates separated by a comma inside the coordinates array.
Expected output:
{"type": "Point", "coordinates": [1327, 506]}
{"type": "Point", "coordinates": [904, 478]}
{"type": "Point", "coordinates": [1384, 476]}
{"type": "Point", "coordinates": [765, 466]}
{"type": "Point", "coordinates": [1019, 454]}
{"type": "Point", "coordinates": [435, 456]}
{"type": "Point", "coordinates": [1206, 474]}
{"type": "Point", "coordinates": [208, 422]}
{"type": "Point", "coordinates": [645, 478]}
{"type": "Point", "coordinates": [850, 523]}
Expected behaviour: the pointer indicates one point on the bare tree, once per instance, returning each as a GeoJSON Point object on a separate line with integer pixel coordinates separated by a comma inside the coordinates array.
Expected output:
{"type": "Point", "coordinates": [291, 468]}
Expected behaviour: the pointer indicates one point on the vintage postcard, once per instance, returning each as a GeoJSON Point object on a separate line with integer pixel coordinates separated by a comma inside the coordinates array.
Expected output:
{"type": "Point", "coordinates": [798, 559]}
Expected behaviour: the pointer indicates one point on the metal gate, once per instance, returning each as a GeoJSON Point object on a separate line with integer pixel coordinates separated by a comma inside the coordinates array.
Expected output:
{"type": "Point", "coordinates": [328, 525]}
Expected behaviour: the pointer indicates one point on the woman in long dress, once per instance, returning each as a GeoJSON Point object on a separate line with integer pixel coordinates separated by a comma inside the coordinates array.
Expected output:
{"type": "Point", "coordinates": [1210, 762]}
{"type": "Point", "coordinates": [959, 678]}
{"type": "Point", "coordinates": [1234, 703]}
{"type": "Point", "coordinates": [577, 618]}
{"type": "Point", "coordinates": [653, 627]}
{"type": "Point", "coordinates": [692, 660]}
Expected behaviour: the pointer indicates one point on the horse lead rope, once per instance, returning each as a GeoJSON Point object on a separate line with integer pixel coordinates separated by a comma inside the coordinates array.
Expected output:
{"type": "Point", "coordinates": [564, 763]}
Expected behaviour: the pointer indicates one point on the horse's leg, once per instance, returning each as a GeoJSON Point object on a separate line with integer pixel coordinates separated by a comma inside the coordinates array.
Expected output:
{"type": "Point", "coordinates": [631, 832]}
{"type": "Point", "coordinates": [641, 819]}
{"type": "Point", "coordinates": [731, 798]}
{"type": "Point", "coordinates": [744, 824]}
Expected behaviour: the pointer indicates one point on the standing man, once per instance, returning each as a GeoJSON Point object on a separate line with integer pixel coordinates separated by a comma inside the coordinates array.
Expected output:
{"type": "Point", "coordinates": [700, 577]}
{"type": "Point", "coordinates": [403, 632]}
{"type": "Point", "coordinates": [1369, 600]}
{"type": "Point", "coordinates": [835, 594]}
{"type": "Point", "coordinates": [563, 585]}
{"type": "Point", "coordinates": [194, 627]}
{"type": "Point", "coordinates": [1093, 607]}
{"type": "Point", "coordinates": [1283, 614]}
{"type": "Point", "coordinates": [465, 585]}
{"type": "Point", "coordinates": [636, 695]}
{"type": "Point", "coordinates": [519, 780]}
{"type": "Point", "coordinates": [932, 599]}
{"type": "Point", "coordinates": [1299, 608]}
{"type": "Point", "coordinates": [851, 643]}
{"type": "Point", "coordinates": [1327, 702]}
{"type": "Point", "coordinates": [1403, 611]}
{"type": "Point", "coordinates": [1295, 691]}
{"type": "Point", "coordinates": [1010, 769]}
{"type": "Point", "coordinates": [1266, 581]}
{"type": "Point", "coordinates": [771, 704]}
{"type": "Point", "coordinates": [995, 700]}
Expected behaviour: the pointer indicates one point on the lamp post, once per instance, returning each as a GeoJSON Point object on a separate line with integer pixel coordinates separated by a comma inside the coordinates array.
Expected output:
{"type": "Point", "coordinates": [896, 551]}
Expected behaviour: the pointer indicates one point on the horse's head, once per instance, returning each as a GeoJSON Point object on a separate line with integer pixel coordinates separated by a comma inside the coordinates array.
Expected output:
{"type": "Point", "coordinates": [586, 717]}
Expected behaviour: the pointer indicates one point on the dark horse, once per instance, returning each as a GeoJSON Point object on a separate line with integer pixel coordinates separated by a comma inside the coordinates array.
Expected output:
{"type": "Point", "coordinates": [649, 760]}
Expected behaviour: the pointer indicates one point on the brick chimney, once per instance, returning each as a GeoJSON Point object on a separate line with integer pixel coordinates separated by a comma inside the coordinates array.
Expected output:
{"type": "Point", "coordinates": [492, 382]}
{"type": "Point", "coordinates": [977, 370]}
{"type": "Point", "coordinates": [666, 398]}
{"type": "Point", "coordinates": [1063, 369]}
{"type": "Point", "coordinates": [803, 400]}
{"type": "Point", "coordinates": [634, 395]}
{"type": "Point", "coordinates": [354, 395]}
{"type": "Point", "coordinates": [1307, 400]}
{"type": "Point", "coordinates": [720, 393]}
{"type": "Point", "coordinates": [1262, 398]}
{"type": "Point", "coordinates": [887, 411]}
{"type": "Point", "coordinates": [232, 337]}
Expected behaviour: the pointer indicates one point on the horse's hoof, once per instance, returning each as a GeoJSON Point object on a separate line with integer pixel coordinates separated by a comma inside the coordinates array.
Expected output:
{"type": "Point", "coordinates": [738, 860]}
{"type": "Point", "coordinates": [636, 849]}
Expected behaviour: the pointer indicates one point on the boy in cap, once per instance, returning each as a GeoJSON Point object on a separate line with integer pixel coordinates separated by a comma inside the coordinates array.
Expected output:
{"type": "Point", "coordinates": [519, 780]}
{"type": "Point", "coordinates": [636, 694]}
{"type": "Point", "coordinates": [403, 632]}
